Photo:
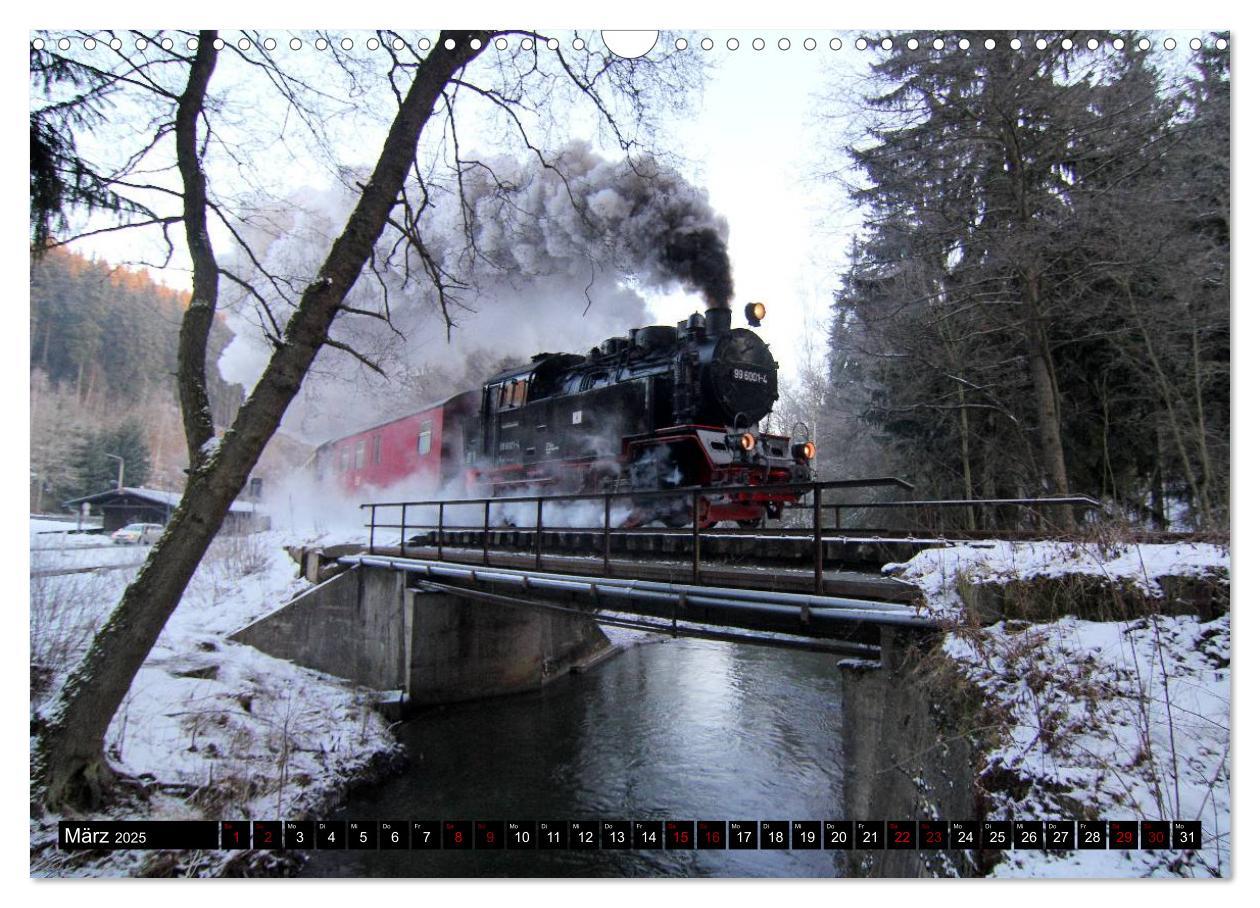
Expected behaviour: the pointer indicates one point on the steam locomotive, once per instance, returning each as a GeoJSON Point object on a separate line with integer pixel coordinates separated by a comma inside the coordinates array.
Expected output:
{"type": "Point", "coordinates": [663, 407]}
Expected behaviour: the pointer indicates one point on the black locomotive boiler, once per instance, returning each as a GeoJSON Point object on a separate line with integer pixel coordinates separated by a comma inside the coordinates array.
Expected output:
{"type": "Point", "coordinates": [664, 407]}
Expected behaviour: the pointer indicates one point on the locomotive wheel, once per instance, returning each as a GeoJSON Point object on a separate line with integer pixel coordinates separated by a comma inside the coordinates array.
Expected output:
{"type": "Point", "coordinates": [754, 523]}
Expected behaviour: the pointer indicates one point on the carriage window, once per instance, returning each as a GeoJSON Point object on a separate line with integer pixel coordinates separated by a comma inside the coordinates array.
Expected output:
{"type": "Point", "coordinates": [345, 459]}
{"type": "Point", "coordinates": [359, 450]}
{"type": "Point", "coordinates": [512, 394]}
{"type": "Point", "coordinates": [424, 443]}
{"type": "Point", "coordinates": [376, 449]}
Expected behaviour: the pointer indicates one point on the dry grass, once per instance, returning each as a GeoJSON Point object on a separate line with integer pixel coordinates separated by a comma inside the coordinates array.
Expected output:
{"type": "Point", "coordinates": [66, 611]}
{"type": "Point", "coordinates": [240, 555]}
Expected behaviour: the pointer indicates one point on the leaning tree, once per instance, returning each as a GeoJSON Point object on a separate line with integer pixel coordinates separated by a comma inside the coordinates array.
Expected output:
{"type": "Point", "coordinates": [83, 157]}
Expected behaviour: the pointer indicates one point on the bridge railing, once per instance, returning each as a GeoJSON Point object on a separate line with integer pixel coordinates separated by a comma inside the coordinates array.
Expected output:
{"type": "Point", "coordinates": [1012, 517]}
{"type": "Point", "coordinates": [605, 513]}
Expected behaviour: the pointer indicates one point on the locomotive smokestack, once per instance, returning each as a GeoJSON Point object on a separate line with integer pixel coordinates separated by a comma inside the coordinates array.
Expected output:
{"type": "Point", "coordinates": [717, 320]}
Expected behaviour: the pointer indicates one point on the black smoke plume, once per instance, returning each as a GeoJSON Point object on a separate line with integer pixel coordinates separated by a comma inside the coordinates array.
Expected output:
{"type": "Point", "coordinates": [700, 261]}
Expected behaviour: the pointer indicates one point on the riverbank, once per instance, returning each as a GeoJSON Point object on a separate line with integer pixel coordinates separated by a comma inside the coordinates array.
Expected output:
{"type": "Point", "coordinates": [210, 729]}
{"type": "Point", "coordinates": [1078, 681]}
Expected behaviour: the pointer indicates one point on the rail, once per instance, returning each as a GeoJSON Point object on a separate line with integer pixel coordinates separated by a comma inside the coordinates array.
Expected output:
{"type": "Point", "coordinates": [529, 512]}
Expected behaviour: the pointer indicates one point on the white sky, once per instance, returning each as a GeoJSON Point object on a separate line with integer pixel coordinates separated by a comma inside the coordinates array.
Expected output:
{"type": "Point", "coordinates": [755, 143]}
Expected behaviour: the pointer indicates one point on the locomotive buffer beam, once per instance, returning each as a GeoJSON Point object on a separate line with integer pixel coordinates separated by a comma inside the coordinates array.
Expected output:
{"type": "Point", "coordinates": [850, 627]}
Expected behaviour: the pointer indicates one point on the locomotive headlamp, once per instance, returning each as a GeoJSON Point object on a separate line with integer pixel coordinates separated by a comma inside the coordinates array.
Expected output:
{"type": "Point", "coordinates": [755, 312]}
{"type": "Point", "coordinates": [748, 441]}
{"type": "Point", "coordinates": [804, 452]}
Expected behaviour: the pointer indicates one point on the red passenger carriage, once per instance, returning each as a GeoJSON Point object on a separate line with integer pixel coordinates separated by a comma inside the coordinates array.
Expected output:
{"type": "Point", "coordinates": [424, 449]}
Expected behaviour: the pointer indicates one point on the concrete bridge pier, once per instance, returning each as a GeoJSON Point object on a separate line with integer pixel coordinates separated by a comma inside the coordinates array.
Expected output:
{"type": "Point", "coordinates": [367, 626]}
{"type": "Point", "coordinates": [908, 754]}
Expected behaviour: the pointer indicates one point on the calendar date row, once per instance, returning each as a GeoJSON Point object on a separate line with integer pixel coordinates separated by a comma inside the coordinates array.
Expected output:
{"type": "Point", "coordinates": [494, 835]}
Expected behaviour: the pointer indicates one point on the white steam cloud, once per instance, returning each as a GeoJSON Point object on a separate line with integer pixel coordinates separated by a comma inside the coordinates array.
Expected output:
{"type": "Point", "coordinates": [541, 260]}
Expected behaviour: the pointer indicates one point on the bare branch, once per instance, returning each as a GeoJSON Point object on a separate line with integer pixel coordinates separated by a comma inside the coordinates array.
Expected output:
{"type": "Point", "coordinates": [346, 348]}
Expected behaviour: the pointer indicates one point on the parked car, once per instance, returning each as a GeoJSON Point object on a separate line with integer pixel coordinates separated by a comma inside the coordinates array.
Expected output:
{"type": "Point", "coordinates": [137, 534]}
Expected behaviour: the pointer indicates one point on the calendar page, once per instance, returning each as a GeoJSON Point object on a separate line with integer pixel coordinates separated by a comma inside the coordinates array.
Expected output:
{"type": "Point", "coordinates": [770, 452]}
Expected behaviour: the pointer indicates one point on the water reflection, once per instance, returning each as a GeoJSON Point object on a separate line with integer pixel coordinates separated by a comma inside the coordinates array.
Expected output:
{"type": "Point", "coordinates": [682, 729]}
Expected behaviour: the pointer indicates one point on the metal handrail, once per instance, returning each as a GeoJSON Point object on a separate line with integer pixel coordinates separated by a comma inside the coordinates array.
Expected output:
{"type": "Point", "coordinates": [1080, 500]}
{"type": "Point", "coordinates": [804, 488]}
{"type": "Point", "coordinates": [798, 489]}
{"type": "Point", "coordinates": [1029, 505]}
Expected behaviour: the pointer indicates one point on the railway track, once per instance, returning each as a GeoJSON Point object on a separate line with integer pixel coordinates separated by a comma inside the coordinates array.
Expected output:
{"type": "Point", "coordinates": [768, 548]}
{"type": "Point", "coordinates": [835, 582]}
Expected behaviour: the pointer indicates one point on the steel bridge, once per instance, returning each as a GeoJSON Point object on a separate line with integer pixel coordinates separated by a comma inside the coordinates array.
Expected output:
{"type": "Point", "coordinates": [791, 585]}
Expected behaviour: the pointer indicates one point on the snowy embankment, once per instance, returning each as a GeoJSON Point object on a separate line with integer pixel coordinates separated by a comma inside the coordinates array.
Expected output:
{"type": "Point", "coordinates": [1112, 720]}
{"type": "Point", "coordinates": [78, 558]}
{"type": "Point", "coordinates": [47, 533]}
{"type": "Point", "coordinates": [212, 729]}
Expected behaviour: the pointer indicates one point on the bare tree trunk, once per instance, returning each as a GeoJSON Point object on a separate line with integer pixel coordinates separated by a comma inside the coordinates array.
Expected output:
{"type": "Point", "coordinates": [91, 387]}
{"type": "Point", "coordinates": [1167, 394]}
{"type": "Point", "coordinates": [964, 419]}
{"type": "Point", "coordinates": [1047, 396]}
{"type": "Point", "coordinates": [988, 482]}
{"type": "Point", "coordinates": [1196, 365]}
{"type": "Point", "coordinates": [1107, 472]}
{"type": "Point", "coordinates": [964, 432]}
{"type": "Point", "coordinates": [194, 330]}
{"type": "Point", "coordinates": [1157, 487]}
{"type": "Point", "coordinates": [1040, 366]}
{"type": "Point", "coordinates": [70, 759]}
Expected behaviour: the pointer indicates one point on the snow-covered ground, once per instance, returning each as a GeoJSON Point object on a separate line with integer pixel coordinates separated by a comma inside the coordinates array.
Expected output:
{"type": "Point", "coordinates": [82, 557]}
{"type": "Point", "coordinates": [216, 729]}
{"type": "Point", "coordinates": [938, 571]}
{"type": "Point", "coordinates": [48, 533]}
{"type": "Point", "coordinates": [1110, 720]}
